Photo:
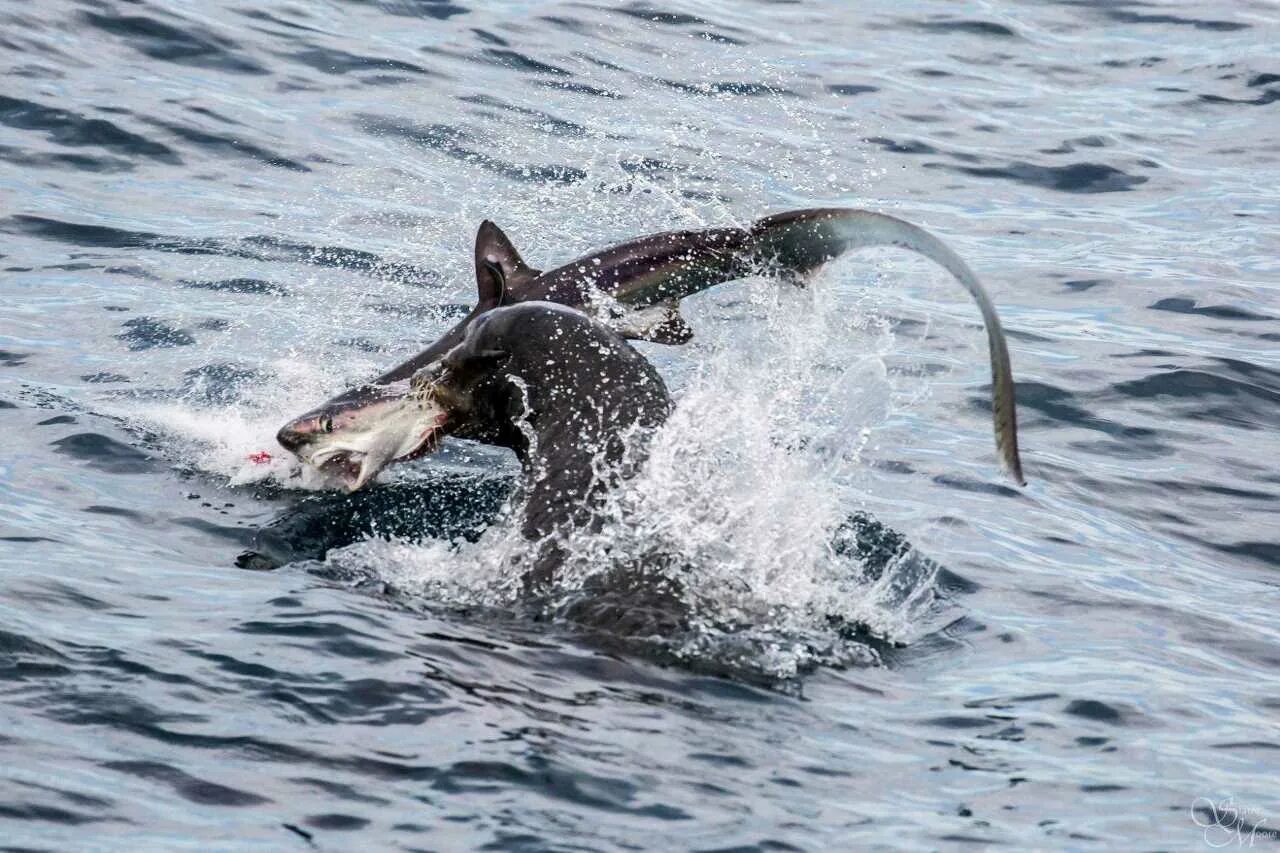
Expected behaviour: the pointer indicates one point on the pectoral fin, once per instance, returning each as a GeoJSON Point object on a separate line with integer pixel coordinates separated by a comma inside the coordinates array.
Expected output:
{"type": "Point", "coordinates": [659, 324]}
{"type": "Point", "coordinates": [672, 329]}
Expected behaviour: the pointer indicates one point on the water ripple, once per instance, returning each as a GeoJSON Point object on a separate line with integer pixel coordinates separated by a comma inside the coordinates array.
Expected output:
{"type": "Point", "coordinates": [215, 216]}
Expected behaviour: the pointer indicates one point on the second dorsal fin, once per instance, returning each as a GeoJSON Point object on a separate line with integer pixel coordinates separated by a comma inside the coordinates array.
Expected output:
{"type": "Point", "coordinates": [499, 266]}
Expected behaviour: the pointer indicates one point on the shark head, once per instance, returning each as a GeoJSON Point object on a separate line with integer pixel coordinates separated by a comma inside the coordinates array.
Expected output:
{"type": "Point", "coordinates": [353, 437]}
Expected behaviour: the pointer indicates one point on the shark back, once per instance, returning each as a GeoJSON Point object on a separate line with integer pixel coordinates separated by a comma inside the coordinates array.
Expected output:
{"type": "Point", "coordinates": [657, 268]}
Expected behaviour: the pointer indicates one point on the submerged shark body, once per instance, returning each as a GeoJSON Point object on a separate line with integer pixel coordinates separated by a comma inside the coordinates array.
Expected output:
{"type": "Point", "coordinates": [634, 287]}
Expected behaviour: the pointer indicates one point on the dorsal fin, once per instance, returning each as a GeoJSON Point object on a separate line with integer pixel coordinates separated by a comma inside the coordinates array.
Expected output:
{"type": "Point", "coordinates": [495, 253]}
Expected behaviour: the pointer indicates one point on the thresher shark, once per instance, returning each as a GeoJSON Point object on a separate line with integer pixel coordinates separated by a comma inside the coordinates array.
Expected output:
{"type": "Point", "coordinates": [634, 288]}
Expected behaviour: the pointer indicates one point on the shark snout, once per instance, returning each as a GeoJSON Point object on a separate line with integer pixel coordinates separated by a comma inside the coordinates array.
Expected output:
{"type": "Point", "coordinates": [290, 439]}
{"type": "Point", "coordinates": [294, 435]}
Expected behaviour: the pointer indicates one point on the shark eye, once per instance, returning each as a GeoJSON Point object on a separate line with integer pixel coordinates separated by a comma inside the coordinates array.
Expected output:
{"type": "Point", "coordinates": [327, 424]}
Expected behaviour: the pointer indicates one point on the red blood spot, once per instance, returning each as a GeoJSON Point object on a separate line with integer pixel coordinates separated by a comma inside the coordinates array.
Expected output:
{"type": "Point", "coordinates": [262, 457]}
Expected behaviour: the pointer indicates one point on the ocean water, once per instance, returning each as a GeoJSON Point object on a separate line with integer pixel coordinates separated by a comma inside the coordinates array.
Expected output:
{"type": "Point", "coordinates": [213, 216]}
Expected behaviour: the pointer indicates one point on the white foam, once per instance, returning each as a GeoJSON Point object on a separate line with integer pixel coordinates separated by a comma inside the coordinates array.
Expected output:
{"type": "Point", "coordinates": [230, 440]}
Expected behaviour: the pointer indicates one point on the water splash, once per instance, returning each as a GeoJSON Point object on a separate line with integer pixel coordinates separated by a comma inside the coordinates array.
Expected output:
{"type": "Point", "coordinates": [749, 487]}
{"type": "Point", "coordinates": [741, 515]}
{"type": "Point", "coordinates": [235, 438]}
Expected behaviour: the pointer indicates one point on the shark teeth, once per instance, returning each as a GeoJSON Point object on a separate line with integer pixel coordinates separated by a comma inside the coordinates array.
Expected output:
{"type": "Point", "coordinates": [405, 430]}
{"type": "Point", "coordinates": [342, 465]}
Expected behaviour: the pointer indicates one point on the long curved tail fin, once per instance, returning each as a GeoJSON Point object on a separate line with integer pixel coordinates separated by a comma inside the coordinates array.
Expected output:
{"type": "Point", "coordinates": [804, 239]}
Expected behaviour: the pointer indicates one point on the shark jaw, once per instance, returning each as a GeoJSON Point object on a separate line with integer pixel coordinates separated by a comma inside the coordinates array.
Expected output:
{"type": "Point", "coordinates": [364, 438]}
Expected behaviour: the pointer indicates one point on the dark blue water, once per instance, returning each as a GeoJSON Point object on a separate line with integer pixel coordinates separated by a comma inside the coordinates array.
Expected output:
{"type": "Point", "coordinates": [214, 215]}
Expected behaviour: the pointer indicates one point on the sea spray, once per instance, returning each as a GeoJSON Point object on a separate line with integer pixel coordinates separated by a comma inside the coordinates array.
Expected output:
{"type": "Point", "coordinates": [744, 502]}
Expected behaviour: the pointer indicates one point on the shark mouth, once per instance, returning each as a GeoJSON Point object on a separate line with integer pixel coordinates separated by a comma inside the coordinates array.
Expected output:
{"type": "Point", "coordinates": [343, 466]}
{"type": "Point", "coordinates": [393, 431]}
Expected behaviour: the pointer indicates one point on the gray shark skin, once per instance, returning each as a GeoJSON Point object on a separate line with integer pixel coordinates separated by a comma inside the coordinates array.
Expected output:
{"type": "Point", "coordinates": [645, 277]}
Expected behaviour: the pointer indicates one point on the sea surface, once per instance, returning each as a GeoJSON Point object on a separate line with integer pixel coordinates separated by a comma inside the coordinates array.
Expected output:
{"type": "Point", "coordinates": [215, 215]}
